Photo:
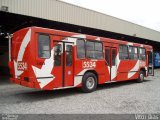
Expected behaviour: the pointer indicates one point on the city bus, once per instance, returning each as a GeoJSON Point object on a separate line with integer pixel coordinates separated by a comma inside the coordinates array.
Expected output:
{"type": "Point", "coordinates": [157, 59]}
{"type": "Point", "coordinates": [49, 59]}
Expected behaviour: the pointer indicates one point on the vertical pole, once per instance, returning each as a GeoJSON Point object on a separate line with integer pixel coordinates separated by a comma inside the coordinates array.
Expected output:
{"type": "Point", "coordinates": [9, 40]}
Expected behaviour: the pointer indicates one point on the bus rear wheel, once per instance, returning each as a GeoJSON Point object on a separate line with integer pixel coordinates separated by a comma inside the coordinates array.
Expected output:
{"type": "Point", "coordinates": [141, 76]}
{"type": "Point", "coordinates": [89, 82]}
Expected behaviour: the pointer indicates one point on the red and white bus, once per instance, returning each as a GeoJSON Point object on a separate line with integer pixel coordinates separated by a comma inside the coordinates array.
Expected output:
{"type": "Point", "coordinates": [51, 59]}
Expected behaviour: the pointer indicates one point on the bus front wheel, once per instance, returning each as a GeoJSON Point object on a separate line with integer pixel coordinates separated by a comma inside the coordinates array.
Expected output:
{"type": "Point", "coordinates": [89, 82]}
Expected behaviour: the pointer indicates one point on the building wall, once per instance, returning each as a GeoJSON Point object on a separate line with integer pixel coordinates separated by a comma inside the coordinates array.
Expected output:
{"type": "Point", "coordinates": [67, 13]}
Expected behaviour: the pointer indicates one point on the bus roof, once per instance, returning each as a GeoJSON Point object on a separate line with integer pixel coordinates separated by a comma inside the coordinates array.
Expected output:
{"type": "Point", "coordinates": [69, 34]}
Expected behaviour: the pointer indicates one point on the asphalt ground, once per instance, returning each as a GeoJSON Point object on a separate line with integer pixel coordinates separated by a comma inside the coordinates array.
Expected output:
{"type": "Point", "coordinates": [117, 98]}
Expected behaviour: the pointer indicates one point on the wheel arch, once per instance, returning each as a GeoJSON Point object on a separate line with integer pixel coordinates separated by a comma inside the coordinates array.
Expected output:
{"type": "Point", "coordinates": [94, 72]}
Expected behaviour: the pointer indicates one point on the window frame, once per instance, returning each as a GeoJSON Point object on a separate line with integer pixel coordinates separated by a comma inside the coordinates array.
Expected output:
{"type": "Point", "coordinates": [133, 53]}
{"type": "Point", "coordinates": [49, 45]}
{"type": "Point", "coordinates": [60, 56]}
{"type": "Point", "coordinates": [108, 62]}
{"type": "Point", "coordinates": [84, 48]}
{"type": "Point", "coordinates": [70, 52]}
{"type": "Point", "coordinates": [123, 52]}
{"type": "Point", "coordinates": [94, 41]}
{"type": "Point", "coordinates": [139, 53]}
{"type": "Point", "coordinates": [113, 58]}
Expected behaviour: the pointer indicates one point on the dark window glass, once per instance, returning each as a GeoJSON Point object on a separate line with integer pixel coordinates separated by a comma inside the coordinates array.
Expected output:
{"type": "Point", "coordinates": [150, 58]}
{"type": "Point", "coordinates": [57, 54]}
{"type": "Point", "coordinates": [94, 50]}
{"type": "Point", "coordinates": [133, 53]}
{"type": "Point", "coordinates": [90, 46]}
{"type": "Point", "coordinates": [98, 46]}
{"type": "Point", "coordinates": [90, 54]}
{"type": "Point", "coordinates": [80, 48]}
{"type": "Point", "coordinates": [44, 46]}
{"type": "Point", "coordinates": [113, 57]}
{"type": "Point", "coordinates": [69, 55]}
{"type": "Point", "coordinates": [107, 56]}
{"type": "Point", "coordinates": [98, 54]}
{"type": "Point", "coordinates": [156, 55]}
{"type": "Point", "coordinates": [123, 52]}
{"type": "Point", "coordinates": [142, 54]}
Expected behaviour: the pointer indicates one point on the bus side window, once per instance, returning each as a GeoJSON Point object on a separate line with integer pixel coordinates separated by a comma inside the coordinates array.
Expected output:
{"type": "Point", "coordinates": [142, 53]}
{"type": "Point", "coordinates": [90, 49]}
{"type": "Point", "coordinates": [69, 55]}
{"type": "Point", "coordinates": [80, 48]}
{"type": "Point", "coordinates": [57, 55]}
{"type": "Point", "coordinates": [123, 52]}
{"type": "Point", "coordinates": [99, 50]}
{"type": "Point", "coordinates": [113, 57]}
{"type": "Point", "coordinates": [44, 46]}
{"type": "Point", "coordinates": [133, 53]}
{"type": "Point", "coordinates": [94, 50]}
{"type": "Point", "coordinates": [150, 57]}
{"type": "Point", "coordinates": [107, 56]}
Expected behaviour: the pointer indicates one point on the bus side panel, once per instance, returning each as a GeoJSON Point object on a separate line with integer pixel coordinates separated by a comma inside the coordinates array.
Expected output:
{"type": "Point", "coordinates": [122, 70]}
{"type": "Point", "coordinates": [84, 65]}
{"type": "Point", "coordinates": [100, 67]}
{"type": "Point", "coordinates": [133, 69]}
{"type": "Point", "coordinates": [54, 74]}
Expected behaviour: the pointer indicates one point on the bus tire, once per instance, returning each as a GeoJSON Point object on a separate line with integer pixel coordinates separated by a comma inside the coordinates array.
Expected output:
{"type": "Point", "coordinates": [141, 76]}
{"type": "Point", "coordinates": [89, 82]}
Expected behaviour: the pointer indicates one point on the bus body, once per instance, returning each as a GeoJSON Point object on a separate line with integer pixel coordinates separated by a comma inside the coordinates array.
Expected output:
{"type": "Point", "coordinates": [156, 59]}
{"type": "Point", "coordinates": [50, 59]}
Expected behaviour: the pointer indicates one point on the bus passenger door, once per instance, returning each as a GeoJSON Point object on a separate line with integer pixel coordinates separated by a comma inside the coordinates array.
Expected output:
{"type": "Point", "coordinates": [150, 64]}
{"type": "Point", "coordinates": [108, 64]}
{"type": "Point", "coordinates": [63, 64]}
{"type": "Point", "coordinates": [58, 64]}
{"type": "Point", "coordinates": [68, 64]}
{"type": "Point", "coordinates": [111, 63]}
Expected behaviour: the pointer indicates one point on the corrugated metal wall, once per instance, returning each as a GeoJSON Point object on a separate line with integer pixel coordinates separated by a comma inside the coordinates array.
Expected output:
{"type": "Point", "coordinates": [64, 12]}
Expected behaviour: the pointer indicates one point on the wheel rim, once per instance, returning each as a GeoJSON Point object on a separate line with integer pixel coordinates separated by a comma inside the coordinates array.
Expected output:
{"type": "Point", "coordinates": [141, 76]}
{"type": "Point", "coordinates": [90, 83]}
